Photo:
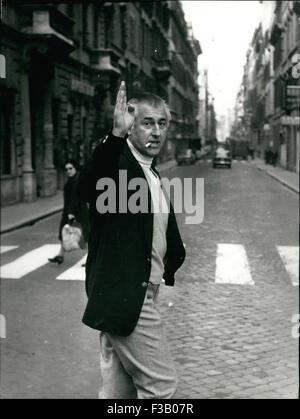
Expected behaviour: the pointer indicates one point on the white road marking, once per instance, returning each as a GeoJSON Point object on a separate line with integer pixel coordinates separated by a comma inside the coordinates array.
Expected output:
{"type": "Point", "coordinates": [290, 258]}
{"type": "Point", "coordinates": [29, 262]}
{"type": "Point", "coordinates": [75, 273]}
{"type": "Point", "coordinates": [232, 266]}
{"type": "Point", "coordinates": [4, 249]}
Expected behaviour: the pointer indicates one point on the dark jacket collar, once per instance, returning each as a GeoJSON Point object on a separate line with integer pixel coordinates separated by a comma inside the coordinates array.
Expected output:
{"type": "Point", "coordinates": [135, 164]}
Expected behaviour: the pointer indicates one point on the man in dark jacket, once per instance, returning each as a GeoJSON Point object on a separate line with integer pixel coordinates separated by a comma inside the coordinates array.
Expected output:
{"type": "Point", "coordinates": [131, 252]}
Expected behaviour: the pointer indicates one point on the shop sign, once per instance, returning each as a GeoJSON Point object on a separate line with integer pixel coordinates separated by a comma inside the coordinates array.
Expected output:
{"type": "Point", "coordinates": [290, 120]}
{"type": "Point", "coordinates": [82, 87]}
{"type": "Point", "coordinates": [292, 98]}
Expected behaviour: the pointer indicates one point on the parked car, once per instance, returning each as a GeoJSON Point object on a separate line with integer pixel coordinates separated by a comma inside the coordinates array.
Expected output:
{"type": "Point", "coordinates": [186, 156]}
{"type": "Point", "coordinates": [222, 157]}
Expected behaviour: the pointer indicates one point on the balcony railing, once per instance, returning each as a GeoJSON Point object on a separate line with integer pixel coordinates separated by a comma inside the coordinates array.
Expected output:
{"type": "Point", "coordinates": [40, 18]}
{"type": "Point", "coordinates": [105, 60]}
{"type": "Point", "coordinates": [162, 68]}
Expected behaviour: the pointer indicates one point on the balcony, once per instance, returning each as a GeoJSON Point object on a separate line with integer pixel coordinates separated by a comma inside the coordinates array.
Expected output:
{"type": "Point", "coordinates": [106, 61]}
{"type": "Point", "coordinates": [162, 69]}
{"type": "Point", "coordinates": [47, 26]}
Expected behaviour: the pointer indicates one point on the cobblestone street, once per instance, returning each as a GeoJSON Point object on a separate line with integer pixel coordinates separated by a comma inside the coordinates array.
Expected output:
{"type": "Point", "coordinates": [235, 341]}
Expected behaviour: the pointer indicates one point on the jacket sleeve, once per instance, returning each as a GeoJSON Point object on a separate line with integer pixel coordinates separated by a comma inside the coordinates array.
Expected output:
{"type": "Point", "coordinates": [103, 162]}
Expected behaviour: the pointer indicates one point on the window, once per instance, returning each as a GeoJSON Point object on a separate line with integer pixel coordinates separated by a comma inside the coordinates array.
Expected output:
{"type": "Point", "coordinates": [70, 128]}
{"type": "Point", "coordinates": [57, 152]}
{"type": "Point", "coordinates": [70, 9]}
{"type": "Point", "coordinates": [85, 24]}
{"type": "Point", "coordinates": [6, 131]}
{"type": "Point", "coordinates": [133, 34]}
{"type": "Point", "coordinates": [123, 27]}
{"type": "Point", "coordinates": [96, 29]}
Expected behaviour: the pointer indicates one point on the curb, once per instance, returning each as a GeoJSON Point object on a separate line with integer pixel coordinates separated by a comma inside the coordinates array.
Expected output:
{"type": "Point", "coordinates": [30, 221]}
{"type": "Point", "coordinates": [283, 182]}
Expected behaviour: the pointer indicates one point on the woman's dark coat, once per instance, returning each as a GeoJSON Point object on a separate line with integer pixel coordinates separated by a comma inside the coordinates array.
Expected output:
{"type": "Point", "coordinates": [73, 204]}
{"type": "Point", "coordinates": [118, 265]}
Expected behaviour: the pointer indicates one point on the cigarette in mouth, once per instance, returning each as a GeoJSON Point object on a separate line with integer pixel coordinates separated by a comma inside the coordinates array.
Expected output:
{"type": "Point", "coordinates": [148, 145]}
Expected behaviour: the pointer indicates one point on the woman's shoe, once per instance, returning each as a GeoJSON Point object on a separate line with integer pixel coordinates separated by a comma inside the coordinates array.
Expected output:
{"type": "Point", "coordinates": [57, 259]}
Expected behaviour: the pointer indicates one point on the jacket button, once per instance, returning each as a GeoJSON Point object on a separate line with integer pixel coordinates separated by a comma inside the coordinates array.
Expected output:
{"type": "Point", "coordinates": [148, 259]}
{"type": "Point", "coordinates": [144, 284]}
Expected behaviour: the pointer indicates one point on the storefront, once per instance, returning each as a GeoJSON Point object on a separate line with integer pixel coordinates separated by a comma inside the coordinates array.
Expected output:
{"type": "Point", "coordinates": [290, 149]}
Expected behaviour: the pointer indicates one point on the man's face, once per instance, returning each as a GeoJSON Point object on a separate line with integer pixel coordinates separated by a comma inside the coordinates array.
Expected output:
{"type": "Point", "coordinates": [149, 130]}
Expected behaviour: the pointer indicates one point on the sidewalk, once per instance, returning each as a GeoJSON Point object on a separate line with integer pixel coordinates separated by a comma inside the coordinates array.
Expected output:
{"type": "Point", "coordinates": [286, 177]}
{"type": "Point", "coordinates": [22, 214]}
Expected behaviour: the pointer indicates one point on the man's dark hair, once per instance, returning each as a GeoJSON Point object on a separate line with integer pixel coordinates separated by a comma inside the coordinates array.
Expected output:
{"type": "Point", "coordinates": [152, 100]}
{"type": "Point", "coordinates": [72, 162]}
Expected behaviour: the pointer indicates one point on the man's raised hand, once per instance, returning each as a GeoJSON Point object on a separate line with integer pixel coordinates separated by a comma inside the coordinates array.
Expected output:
{"type": "Point", "coordinates": [124, 114]}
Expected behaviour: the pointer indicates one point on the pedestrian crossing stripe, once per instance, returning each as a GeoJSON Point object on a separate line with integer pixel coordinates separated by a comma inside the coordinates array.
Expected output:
{"type": "Point", "coordinates": [4, 249]}
{"type": "Point", "coordinates": [29, 262]}
{"type": "Point", "coordinates": [232, 266]}
{"type": "Point", "coordinates": [75, 273]}
{"type": "Point", "coordinates": [290, 259]}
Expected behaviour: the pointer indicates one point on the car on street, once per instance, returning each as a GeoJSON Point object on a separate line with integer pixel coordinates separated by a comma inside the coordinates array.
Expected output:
{"type": "Point", "coordinates": [186, 156]}
{"type": "Point", "coordinates": [222, 157]}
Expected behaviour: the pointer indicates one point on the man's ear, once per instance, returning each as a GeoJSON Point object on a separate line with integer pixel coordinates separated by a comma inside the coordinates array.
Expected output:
{"type": "Point", "coordinates": [131, 129]}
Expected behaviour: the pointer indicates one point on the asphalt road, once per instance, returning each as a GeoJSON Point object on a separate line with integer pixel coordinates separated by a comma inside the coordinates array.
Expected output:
{"type": "Point", "coordinates": [232, 316]}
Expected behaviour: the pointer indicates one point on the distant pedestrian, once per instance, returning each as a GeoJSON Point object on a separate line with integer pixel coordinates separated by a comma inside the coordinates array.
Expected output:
{"type": "Point", "coordinates": [74, 208]}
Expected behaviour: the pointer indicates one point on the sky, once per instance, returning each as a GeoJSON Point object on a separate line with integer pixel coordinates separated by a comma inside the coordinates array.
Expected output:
{"type": "Point", "coordinates": [224, 30]}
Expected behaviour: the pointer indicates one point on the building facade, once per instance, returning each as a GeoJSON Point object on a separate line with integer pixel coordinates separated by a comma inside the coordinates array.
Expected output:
{"type": "Point", "coordinates": [272, 85]}
{"type": "Point", "coordinates": [64, 64]}
{"type": "Point", "coordinates": [183, 90]}
{"type": "Point", "coordinates": [285, 38]}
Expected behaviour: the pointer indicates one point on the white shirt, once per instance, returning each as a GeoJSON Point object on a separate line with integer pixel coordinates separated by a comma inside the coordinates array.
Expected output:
{"type": "Point", "coordinates": [160, 211]}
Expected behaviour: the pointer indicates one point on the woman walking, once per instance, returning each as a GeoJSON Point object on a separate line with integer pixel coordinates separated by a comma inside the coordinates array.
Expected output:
{"type": "Point", "coordinates": [74, 207]}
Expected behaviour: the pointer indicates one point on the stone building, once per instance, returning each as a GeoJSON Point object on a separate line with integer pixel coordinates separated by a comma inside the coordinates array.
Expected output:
{"type": "Point", "coordinates": [272, 84]}
{"type": "Point", "coordinates": [285, 38]}
{"type": "Point", "coordinates": [64, 64]}
{"type": "Point", "coordinates": [183, 90]}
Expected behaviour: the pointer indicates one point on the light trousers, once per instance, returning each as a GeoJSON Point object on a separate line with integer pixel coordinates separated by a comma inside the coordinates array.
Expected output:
{"type": "Point", "coordinates": [138, 366]}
